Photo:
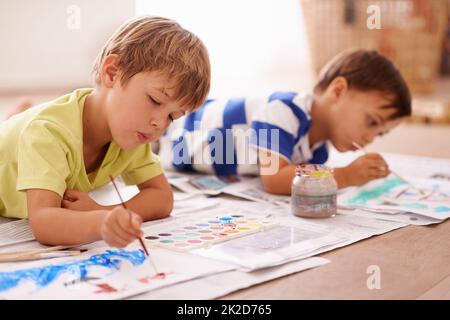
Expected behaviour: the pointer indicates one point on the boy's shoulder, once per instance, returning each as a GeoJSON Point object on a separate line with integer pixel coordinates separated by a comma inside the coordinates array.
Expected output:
{"type": "Point", "coordinates": [287, 104]}
{"type": "Point", "coordinates": [63, 114]}
{"type": "Point", "coordinates": [301, 100]}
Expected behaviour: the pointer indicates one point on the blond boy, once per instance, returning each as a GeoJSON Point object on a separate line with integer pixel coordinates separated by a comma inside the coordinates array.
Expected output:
{"type": "Point", "coordinates": [150, 72]}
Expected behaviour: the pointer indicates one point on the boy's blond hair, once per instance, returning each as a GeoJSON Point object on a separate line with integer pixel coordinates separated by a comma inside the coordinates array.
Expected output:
{"type": "Point", "coordinates": [161, 45]}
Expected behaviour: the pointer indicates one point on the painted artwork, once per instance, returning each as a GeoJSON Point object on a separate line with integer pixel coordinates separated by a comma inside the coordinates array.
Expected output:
{"type": "Point", "coordinates": [205, 230]}
{"type": "Point", "coordinates": [102, 273]}
{"type": "Point", "coordinates": [428, 197]}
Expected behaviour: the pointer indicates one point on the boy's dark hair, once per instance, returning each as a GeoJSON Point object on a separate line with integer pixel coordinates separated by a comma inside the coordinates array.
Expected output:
{"type": "Point", "coordinates": [367, 70]}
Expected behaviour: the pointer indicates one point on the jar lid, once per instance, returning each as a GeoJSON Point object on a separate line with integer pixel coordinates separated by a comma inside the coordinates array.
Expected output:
{"type": "Point", "coordinates": [313, 170]}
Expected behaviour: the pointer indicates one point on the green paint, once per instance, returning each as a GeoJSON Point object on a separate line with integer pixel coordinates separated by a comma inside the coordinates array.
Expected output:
{"type": "Point", "coordinates": [415, 205]}
{"type": "Point", "coordinates": [364, 196]}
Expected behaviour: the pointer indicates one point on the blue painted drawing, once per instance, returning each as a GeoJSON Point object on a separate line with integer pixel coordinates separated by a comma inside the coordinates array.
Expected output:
{"type": "Point", "coordinates": [43, 276]}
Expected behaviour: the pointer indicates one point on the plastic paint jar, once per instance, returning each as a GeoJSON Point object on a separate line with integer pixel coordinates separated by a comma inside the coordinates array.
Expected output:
{"type": "Point", "coordinates": [314, 192]}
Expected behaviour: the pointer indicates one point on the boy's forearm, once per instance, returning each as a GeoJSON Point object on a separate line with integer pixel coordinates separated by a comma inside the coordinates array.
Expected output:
{"type": "Point", "coordinates": [149, 203]}
{"type": "Point", "coordinates": [59, 226]}
{"type": "Point", "coordinates": [281, 182]}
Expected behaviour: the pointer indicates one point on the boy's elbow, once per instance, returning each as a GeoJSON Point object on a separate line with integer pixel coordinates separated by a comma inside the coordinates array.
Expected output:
{"type": "Point", "coordinates": [167, 205]}
{"type": "Point", "coordinates": [270, 188]}
{"type": "Point", "coordinates": [271, 184]}
{"type": "Point", "coordinates": [41, 233]}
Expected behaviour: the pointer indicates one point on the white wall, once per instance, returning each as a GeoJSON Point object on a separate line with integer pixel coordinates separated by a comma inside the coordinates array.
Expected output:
{"type": "Point", "coordinates": [255, 46]}
{"type": "Point", "coordinates": [41, 46]}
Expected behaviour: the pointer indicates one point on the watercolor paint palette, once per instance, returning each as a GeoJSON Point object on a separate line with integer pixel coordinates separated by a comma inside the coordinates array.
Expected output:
{"type": "Point", "coordinates": [205, 230]}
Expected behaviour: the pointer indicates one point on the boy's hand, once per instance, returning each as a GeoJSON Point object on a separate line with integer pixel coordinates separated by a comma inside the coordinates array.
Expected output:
{"type": "Point", "coordinates": [368, 167]}
{"type": "Point", "coordinates": [79, 201]}
{"type": "Point", "coordinates": [121, 227]}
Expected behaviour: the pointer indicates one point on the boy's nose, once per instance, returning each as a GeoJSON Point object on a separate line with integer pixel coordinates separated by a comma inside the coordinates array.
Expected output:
{"type": "Point", "coordinates": [158, 125]}
{"type": "Point", "coordinates": [367, 139]}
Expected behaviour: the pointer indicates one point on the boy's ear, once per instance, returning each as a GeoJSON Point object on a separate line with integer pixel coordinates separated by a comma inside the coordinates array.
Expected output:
{"type": "Point", "coordinates": [110, 72]}
{"type": "Point", "coordinates": [338, 87]}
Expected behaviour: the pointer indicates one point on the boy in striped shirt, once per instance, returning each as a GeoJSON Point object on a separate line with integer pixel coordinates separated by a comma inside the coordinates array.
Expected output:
{"type": "Point", "coordinates": [359, 95]}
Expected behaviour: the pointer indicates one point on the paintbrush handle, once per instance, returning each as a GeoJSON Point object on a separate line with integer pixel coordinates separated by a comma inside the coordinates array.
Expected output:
{"type": "Point", "coordinates": [143, 246]}
{"type": "Point", "coordinates": [17, 257]}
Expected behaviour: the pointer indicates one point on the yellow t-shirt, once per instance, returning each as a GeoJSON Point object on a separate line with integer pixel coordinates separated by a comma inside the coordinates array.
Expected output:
{"type": "Point", "coordinates": [42, 148]}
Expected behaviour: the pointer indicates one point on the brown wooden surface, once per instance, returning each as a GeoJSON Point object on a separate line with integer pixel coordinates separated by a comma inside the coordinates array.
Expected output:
{"type": "Point", "coordinates": [414, 262]}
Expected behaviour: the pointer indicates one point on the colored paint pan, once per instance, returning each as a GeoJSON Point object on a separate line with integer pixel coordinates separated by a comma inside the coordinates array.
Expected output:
{"type": "Point", "coordinates": [204, 230]}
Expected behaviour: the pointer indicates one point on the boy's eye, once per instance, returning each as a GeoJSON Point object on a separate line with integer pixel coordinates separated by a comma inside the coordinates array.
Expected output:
{"type": "Point", "coordinates": [154, 101]}
{"type": "Point", "coordinates": [372, 122]}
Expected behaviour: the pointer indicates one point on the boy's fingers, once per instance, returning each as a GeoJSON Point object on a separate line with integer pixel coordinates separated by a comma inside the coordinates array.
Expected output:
{"type": "Point", "coordinates": [112, 238]}
{"type": "Point", "coordinates": [69, 197]}
{"type": "Point", "coordinates": [136, 221]}
{"type": "Point", "coordinates": [66, 203]}
{"type": "Point", "coordinates": [124, 230]}
{"type": "Point", "coordinates": [121, 234]}
{"type": "Point", "coordinates": [126, 224]}
{"type": "Point", "coordinates": [376, 173]}
{"type": "Point", "coordinates": [374, 156]}
{"type": "Point", "coordinates": [116, 243]}
{"type": "Point", "coordinates": [380, 165]}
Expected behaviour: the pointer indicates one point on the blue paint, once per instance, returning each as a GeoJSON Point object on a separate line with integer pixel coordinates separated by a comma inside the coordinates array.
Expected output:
{"type": "Point", "coordinates": [442, 209]}
{"type": "Point", "coordinates": [43, 276]}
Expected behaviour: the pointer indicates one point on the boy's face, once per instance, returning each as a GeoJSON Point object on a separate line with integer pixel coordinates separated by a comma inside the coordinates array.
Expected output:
{"type": "Point", "coordinates": [141, 111]}
{"type": "Point", "coordinates": [359, 116]}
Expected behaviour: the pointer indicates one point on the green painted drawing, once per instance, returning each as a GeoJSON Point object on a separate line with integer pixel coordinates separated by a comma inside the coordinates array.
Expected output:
{"type": "Point", "coordinates": [366, 195]}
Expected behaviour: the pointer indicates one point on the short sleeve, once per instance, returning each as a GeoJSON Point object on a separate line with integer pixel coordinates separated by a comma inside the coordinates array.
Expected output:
{"type": "Point", "coordinates": [320, 155]}
{"type": "Point", "coordinates": [144, 166]}
{"type": "Point", "coordinates": [275, 128]}
{"type": "Point", "coordinates": [42, 158]}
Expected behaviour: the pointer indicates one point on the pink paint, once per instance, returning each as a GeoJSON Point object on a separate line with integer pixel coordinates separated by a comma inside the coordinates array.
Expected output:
{"type": "Point", "coordinates": [158, 276]}
{"type": "Point", "coordinates": [105, 288]}
{"type": "Point", "coordinates": [182, 244]}
{"type": "Point", "coordinates": [220, 234]}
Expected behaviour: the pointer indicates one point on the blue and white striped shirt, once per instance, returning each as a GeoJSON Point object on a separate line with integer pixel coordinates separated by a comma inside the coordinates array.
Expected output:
{"type": "Point", "coordinates": [223, 137]}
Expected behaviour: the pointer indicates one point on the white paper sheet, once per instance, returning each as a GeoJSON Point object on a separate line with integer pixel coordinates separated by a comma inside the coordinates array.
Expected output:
{"type": "Point", "coordinates": [15, 232]}
{"type": "Point", "coordinates": [102, 273]}
{"type": "Point", "coordinates": [218, 285]}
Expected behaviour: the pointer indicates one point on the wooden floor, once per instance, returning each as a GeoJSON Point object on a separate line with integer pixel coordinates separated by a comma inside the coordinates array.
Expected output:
{"type": "Point", "coordinates": [414, 263]}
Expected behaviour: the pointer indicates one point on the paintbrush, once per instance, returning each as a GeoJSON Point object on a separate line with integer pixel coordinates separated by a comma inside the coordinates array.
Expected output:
{"type": "Point", "coordinates": [393, 172]}
{"type": "Point", "coordinates": [139, 238]}
{"type": "Point", "coordinates": [28, 256]}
